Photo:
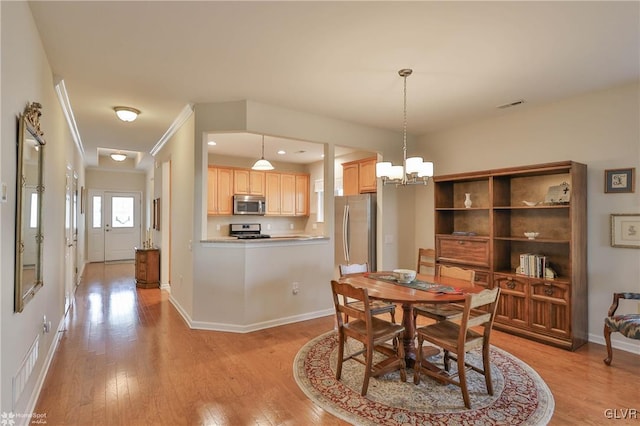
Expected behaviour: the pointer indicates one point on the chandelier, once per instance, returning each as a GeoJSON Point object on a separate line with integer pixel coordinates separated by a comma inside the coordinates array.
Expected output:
{"type": "Point", "coordinates": [413, 171]}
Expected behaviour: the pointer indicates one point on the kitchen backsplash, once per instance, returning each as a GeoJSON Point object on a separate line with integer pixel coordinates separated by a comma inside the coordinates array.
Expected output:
{"type": "Point", "coordinates": [218, 226]}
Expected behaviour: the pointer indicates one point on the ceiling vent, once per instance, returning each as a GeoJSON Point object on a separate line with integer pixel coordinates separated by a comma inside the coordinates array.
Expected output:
{"type": "Point", "coordinates": [511, 104]}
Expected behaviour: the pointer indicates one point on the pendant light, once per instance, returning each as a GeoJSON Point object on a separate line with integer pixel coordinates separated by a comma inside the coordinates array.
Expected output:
{"type": "Point", "coordinates": [262, 164]}
{"type": "Point", "coordinates": [413, 171]}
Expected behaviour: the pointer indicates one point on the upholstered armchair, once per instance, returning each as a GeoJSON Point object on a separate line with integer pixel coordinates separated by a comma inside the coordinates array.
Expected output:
{"type": "Point", "coordinates": [627, 324]}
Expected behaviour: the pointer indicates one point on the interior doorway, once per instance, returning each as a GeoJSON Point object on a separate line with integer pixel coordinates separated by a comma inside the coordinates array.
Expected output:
{"type": "Point", "coordinates": [115, 227]}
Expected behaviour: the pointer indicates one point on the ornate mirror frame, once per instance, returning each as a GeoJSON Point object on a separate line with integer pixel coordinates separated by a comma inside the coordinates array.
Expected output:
{"type": "Point", "coordinates": [29, 206]}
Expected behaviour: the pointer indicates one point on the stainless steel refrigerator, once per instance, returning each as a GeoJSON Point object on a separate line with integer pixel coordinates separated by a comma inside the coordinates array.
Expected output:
{"type": "Point", "coordinates": [355, 229]}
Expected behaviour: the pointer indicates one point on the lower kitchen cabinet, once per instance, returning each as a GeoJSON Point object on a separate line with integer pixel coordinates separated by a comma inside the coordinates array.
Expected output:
{"type": "Point", "coordinates": [147, 267]}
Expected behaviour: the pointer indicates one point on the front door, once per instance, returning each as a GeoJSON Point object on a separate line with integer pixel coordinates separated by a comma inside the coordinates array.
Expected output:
{"type": "Point", "coordinates": [114, 225]}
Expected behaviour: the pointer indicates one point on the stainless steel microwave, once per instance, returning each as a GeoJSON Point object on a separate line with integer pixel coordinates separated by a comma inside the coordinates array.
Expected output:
{"type": "Point", "coordinates": [249, 204]}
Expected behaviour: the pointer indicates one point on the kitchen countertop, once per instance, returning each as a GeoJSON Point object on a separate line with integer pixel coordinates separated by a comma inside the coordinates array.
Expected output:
{"type": "Point", "coordinates": [274, 238]}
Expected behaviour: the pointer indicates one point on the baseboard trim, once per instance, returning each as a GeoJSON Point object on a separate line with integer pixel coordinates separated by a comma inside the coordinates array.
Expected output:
{"type": "Point", "coordinates": [33, 399]}
{"type": "Point", "coordinates": [626, 345]}
{"type": "Point", "coordinates": [235, 328]}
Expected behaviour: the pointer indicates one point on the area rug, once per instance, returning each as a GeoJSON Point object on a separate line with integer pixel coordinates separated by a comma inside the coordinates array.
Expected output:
{"type": "Point", "coordinates": [520, 396]}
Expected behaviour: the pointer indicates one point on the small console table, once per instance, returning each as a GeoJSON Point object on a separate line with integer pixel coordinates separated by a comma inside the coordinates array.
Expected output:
{"type": "Point", "coordinates": [147, 267]}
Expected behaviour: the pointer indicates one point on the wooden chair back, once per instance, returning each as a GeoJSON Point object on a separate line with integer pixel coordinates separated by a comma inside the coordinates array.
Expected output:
{"type": "Point", "coordinates": [426, 261]}
{"type": "Point", "coordinates": [457, 272]}
{"type": "Point", "coordinates": [343, 297]}
{"type": "Point", "coordinates": [353, 268]}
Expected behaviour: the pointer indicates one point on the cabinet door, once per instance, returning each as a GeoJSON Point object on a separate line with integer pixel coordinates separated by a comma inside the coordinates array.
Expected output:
{"type": "Point", "coordinates": [225, 191]}
{"type": "Point", "coordinates": [512, 307]}
{"type": "Point", "coordinates": [302, 195]}
{"type": "Point", "coordinates": [256, 182]}
{"type": "Point", "coordinates": [272, 193]}
{"type": "Point", "coordinates": [241, 182]}
{"type": "Point", "coordinates": [350, 182]}
{"type": "Point", "coordinates": [367, 176]}
{"type": "Point", "coordinates": [287, 194]}
{"type": "Point", "coordinates": [212, 191]}
{"type": "Point", "coordinates": [549, 308]}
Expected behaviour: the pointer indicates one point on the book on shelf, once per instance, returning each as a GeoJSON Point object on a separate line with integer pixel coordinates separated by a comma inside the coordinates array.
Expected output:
{"type": "Point", "coordinates": [532, 265]}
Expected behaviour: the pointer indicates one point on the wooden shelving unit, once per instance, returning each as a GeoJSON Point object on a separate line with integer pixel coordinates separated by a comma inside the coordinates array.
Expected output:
{"type": "Point", "coordinates": [489, 238]}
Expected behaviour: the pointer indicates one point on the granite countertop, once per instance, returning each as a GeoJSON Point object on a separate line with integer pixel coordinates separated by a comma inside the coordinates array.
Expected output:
{"type": "Point", "coordinates": [293, 237]}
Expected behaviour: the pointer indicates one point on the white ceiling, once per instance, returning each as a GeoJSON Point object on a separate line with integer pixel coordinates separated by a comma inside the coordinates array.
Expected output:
{"type": "Point", "coordinates": [336, 59]}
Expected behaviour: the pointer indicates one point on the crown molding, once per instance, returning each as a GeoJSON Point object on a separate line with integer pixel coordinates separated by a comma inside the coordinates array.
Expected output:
{"type": "Point", "coordinates": [177, 123]}
{"type": "Point", "coordinates": [63, 98]}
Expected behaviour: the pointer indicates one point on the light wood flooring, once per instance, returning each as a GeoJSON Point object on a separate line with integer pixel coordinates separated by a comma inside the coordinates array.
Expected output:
{"type": "Point", "coordinates": [128, 358]}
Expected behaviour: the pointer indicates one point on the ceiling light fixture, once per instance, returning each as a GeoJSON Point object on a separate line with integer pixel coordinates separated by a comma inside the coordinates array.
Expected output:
{"type": "Point", "coordinates": [118, 157]}
{"type": "Point", "coordinates": [413, 171]}
{"type": "Point", "coordinates": [126, 113]}
{"type": "Point", "coordinates": [262, 164]}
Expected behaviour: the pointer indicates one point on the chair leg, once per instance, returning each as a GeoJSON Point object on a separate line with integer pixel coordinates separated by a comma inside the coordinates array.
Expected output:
{"type": "Point", "coordinates": [341, 339]}
{"type": "Point", "coordinates": [400, 354]}
{"type": "Point", "coordinates": [367, 371]}
{"type": "Point", "coordinates": [445, 360]}
{"type": "Point", "coordinates": [393, 315]}
{"type": "Point", "coordinates": [462, 376]}
{"type": "Point", "coordinates": [607, 339]}
{"type": "Point", "coordinates": [486, 364]}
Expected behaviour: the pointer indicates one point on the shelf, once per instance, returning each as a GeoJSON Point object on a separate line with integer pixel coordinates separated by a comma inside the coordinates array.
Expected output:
{"type": "Point", "coordinates": [461, 209]}
{"type": "Point", "coordinates": [559, 279]}
{"type": "Point", "coordinates": [554, 206]}
{"type": "Point", "coordinates": [537, 240]}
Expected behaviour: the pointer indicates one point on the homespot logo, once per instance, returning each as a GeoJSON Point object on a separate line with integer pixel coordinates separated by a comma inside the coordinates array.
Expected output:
{"type": "Point", "coordinates": [9, 419]}
{"type": "Point", "coordinates": [621, 413]}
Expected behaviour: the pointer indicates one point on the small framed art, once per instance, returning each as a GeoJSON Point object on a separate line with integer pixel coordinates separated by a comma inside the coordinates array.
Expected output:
{"type": "Point", "coordinates": [625, 230]}
{"type": "Point", "coordinates": [619, 180]}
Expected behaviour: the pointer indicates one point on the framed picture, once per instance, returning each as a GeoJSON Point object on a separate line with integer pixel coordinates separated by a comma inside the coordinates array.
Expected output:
{"type": "Point", "coordinates": [619, 180]}
{"type": "Point", "coordinates": [625, 230]}
{"type": "Point", "coordinates": [156, 214]}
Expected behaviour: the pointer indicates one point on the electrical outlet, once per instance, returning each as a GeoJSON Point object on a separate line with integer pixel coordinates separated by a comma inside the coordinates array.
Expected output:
{"type": "Point", "coordinates": [314, 226]}
{"type": "Point", "coordinates": [291, 226]}
{"type": "Point", "coordinates": [295, 288]}
{"type": "Point", "coordinates": [217, 227]}
{"type": "Point", "coordinates": [268, 226]}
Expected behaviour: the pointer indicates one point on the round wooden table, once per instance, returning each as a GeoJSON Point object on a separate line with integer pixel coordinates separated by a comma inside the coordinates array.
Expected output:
{"type": "Point", "coordinates": [407, 296]}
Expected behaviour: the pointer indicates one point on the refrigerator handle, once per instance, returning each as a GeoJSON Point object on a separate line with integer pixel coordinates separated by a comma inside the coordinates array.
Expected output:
{"type": "Point", "coordinates": [345, 233]}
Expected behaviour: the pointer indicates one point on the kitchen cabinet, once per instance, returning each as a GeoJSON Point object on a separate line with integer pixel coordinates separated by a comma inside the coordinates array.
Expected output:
{"type": "Point", "coordinates": [219, 191]}
{"type": "Point", "coordinates": [147, 264]}
{"type": "Point", "coordinates": [359, 177]}
{"type": "Point", "coordinates": [287, 194]}
{"type": "Point", "coordinates": [272, 193]}
{"type": "Point", "coordinates": [549, 306]}
{"type": "Point", "coordinates": [302, 195]}
{"type": "Point", "coordinates": [248, 182]}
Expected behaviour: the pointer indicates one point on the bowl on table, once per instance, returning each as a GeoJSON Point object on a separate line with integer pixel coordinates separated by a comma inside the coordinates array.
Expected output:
{"type": "Point", "coordinates": [404, 276]}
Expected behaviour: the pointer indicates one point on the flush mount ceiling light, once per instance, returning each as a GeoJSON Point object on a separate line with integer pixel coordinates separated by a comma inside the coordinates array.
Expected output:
{"type": "Point", "coordinates": [126, 113]}
{"type": "Point", "coordinates": [413, 171]}
{"type": "Point", "coordinates": [118, 157]}
{"type": "Point", "coordinates": [262, 164]}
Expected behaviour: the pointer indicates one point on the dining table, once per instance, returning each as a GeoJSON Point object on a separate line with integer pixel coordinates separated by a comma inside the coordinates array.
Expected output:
{"type": "Point", "coordinates": [424, 289]}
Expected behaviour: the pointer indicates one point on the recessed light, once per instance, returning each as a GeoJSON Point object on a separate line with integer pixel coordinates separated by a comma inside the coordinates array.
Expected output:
{"type": "Point", "coordinates": [211, 143]}
{"type": "Point", "coordinates": [282, 152]}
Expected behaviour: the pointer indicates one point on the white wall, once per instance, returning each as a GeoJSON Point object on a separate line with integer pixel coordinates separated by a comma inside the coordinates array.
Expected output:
{"type": "Point", "coordinates": [601, 130]}
{"type": "Point", "coordinates": [26, 77]}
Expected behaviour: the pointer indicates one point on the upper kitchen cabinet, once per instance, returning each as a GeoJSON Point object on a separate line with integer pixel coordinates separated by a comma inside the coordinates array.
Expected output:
{"type": "Point", "coordinates": [359, 176]}
{"type": "Point", "coordinates": [219, 191]}
{"type": "Point", "coordinates": [287, 194]}
{"type": "Point", "coordinates": [248, 182]}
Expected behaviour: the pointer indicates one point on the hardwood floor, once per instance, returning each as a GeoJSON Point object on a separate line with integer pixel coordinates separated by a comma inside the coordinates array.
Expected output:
{"type": "Point", "coordinates": [128, 358]}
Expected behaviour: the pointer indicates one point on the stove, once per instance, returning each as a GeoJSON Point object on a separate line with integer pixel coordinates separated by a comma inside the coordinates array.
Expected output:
{"type": "Point", "coordinates": [247, 231]}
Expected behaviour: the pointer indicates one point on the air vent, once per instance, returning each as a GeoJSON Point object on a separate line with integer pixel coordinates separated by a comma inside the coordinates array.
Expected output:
{"type": "Point", "coordinates": [511, 104]}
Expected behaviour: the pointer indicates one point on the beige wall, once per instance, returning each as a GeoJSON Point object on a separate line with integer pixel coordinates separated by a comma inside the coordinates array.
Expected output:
{"type": "Point", "coordinates": [601, 130]}
{"type": "Point", "coordinates": [27, 77]}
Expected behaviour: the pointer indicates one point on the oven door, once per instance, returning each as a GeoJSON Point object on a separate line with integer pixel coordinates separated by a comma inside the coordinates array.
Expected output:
{"type": "Point", "coordinates": [247, 204]}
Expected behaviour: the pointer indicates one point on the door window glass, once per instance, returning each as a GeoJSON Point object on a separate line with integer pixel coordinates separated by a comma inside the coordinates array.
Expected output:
{"type": "Point", "coordinates": [97, 211]}
{"type": "Point", "coordinates": [122, 212]}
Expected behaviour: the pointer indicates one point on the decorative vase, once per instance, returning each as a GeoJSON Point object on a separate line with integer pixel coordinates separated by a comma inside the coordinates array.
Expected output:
{"type": "Point", "coordinates": [467, 200]}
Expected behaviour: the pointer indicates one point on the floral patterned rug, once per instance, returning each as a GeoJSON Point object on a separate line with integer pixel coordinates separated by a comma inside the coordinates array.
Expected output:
{"type": "Point", "coordinates": [520, 396]}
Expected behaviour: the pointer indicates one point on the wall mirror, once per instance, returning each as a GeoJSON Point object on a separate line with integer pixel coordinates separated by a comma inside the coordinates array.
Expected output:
{"type": "Point", "coordinates": [29, 197]}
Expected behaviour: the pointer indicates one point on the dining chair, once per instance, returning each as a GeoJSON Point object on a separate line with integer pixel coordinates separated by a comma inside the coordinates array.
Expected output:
{"type": "Point", "coordinates": [374, 334]}
{"type": "Point", "coordinates": [378, 307]}
{"type": "Point", "coordinates": [441, 312]}
{"type": "Point", "coordinates": [458, 338]}
{"type": "Point", "coordinates": [426, 261]}
{"type": "Point", "coordinates": [627, 324]}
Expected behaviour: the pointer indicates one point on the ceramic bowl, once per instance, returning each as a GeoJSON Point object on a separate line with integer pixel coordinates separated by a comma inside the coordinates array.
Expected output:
{"type": "Point", "coordinates": [405, 276]}
{"type": "Point", "coordinates": [531, 235]}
